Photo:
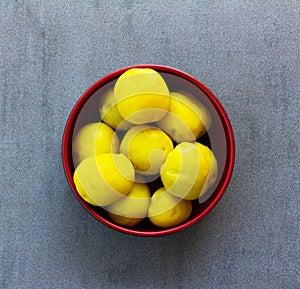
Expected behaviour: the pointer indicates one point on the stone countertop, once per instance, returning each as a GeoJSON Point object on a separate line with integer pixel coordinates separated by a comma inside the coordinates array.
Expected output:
{"type": "Point", "coordinates": [246, 52]}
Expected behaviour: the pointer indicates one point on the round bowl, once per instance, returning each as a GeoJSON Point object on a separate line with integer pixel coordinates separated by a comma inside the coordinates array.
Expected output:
{"type": "Point", "coordinates": [219, 138]}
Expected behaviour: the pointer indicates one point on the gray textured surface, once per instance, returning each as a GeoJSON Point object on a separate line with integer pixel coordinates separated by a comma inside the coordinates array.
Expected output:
{"type": "Point", "coordinates": [247, 52]}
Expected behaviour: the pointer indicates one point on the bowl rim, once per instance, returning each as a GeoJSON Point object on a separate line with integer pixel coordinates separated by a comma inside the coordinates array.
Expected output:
{"type": "Point", "coordinates": [230, 158]}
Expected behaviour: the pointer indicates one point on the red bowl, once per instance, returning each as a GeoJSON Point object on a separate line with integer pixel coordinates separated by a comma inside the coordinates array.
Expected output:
{"type": "Point", "coordinates": [219, 138]}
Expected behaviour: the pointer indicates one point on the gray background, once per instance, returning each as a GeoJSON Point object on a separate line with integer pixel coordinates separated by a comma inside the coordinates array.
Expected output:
{"type": "Point", "coordinates": [246, 52]}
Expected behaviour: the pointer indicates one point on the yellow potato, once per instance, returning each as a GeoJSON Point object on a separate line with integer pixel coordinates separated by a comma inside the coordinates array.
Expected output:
{"type": "Point", "coordinates": [109, 113]}
{"type": "Point", "coordinates": [165, 210]}
{"type": "Point", "coordinates": [142, 95]}
{"type": "Point", "coordinates": [187, 119]}
{"type": "Point", "coordinates": [132, 208]}
{"type": "Point", "coordinates": [189, 171]}
{"type": "Point", "coordinates": [94, 139]}
{"type": "Point", "coordinates": [104, 179]}
{"type": "Point", "coordinates": [147, 148]}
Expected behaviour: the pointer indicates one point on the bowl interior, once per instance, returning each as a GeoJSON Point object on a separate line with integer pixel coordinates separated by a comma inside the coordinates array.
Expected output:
{"type": "Point", "coordinates": [219, 138]}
